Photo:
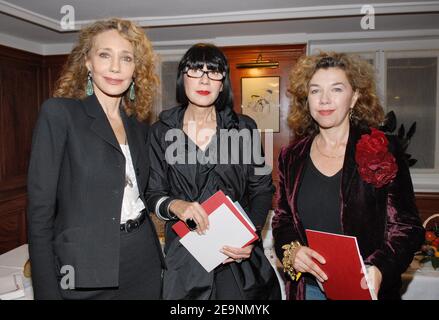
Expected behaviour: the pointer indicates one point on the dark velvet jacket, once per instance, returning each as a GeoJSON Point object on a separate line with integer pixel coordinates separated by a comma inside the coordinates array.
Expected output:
{"type": "Point", "coordinates": [384, 220]}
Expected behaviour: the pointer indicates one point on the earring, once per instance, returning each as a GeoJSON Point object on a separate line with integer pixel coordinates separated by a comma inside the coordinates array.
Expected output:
{"type": "Point", "coordinates": [89, 88]}
{"type": "Point", "coordinates": [351, 114]}
{"type": "Point", "coordinates": [132, 94]}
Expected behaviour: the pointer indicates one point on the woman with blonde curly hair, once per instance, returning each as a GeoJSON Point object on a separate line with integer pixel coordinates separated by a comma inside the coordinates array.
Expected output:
{"type": "Point", "coordinates": [90, 235]}
{"type": "Point", "coordinates": [342, 175]}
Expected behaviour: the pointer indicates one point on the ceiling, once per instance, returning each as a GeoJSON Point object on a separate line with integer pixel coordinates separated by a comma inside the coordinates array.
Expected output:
{"type": "Point", "coordinates": [170, 23]}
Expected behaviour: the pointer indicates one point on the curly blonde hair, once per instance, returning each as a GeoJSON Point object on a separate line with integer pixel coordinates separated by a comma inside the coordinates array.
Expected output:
{"type": "Point", "coordinates": [73, 79]}
{"type": "Point", "coordinates": [360, 74]}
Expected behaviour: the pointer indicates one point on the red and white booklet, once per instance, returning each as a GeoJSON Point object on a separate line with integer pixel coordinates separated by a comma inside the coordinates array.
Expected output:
{"type": "Point", "coordinates": [228, 226]}
{"type": "Point", "coordinates": [344, 266]}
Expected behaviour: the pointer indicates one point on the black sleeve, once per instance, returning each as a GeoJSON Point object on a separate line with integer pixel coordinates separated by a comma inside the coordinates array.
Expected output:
{"type": "Point", "coordinates": [158, 184]}
{"type": "Point", "coordinates": [48, 145]}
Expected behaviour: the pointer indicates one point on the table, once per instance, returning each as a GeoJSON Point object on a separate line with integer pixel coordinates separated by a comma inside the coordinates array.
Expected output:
{"type": "Point", "coordinates": [13, 262]}
{"type": "Point", "coordinates": [420, 281]}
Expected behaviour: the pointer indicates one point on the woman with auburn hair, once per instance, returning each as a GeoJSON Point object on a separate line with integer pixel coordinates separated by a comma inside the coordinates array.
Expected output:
{"type": "Point", "coordinates": [344, 176]}
{"type": "Point", "coordinates": [90, 235]}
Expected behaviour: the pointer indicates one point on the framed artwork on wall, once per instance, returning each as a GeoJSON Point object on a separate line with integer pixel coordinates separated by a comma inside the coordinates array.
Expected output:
{"type": "Point", "coordinates": [260, 101]}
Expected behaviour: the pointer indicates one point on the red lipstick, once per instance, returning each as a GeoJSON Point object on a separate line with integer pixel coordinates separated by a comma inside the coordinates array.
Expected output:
{"type": "Point", "coordinates": [203, 92]}
{"type": "Point", "coordinates": [113, 81]}
{"type": "Point", "coordinates": [325, 112]}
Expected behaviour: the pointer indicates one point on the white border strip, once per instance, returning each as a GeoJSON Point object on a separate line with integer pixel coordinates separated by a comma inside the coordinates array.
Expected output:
{"type": "Point", "coordinates": [157, 208]}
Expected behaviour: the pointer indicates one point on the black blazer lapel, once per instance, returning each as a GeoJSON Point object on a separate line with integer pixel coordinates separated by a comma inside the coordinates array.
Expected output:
{"type": "Point", "coordinates": [100, 124]}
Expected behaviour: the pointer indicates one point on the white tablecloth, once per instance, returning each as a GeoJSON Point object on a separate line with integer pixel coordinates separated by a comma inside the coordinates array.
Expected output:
{"type": "Point", "coordinates": [420, 282]}
{"type": "Point", "coordinates": [268, 243]}
{"type": "Point", "coordinates": [12, 262]}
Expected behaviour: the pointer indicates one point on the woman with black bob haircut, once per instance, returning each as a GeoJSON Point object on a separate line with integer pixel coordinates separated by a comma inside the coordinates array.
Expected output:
{"type": "Point", "coordinates": [214, 59]}
{"type": "Point", "coordinates": [181, 180]}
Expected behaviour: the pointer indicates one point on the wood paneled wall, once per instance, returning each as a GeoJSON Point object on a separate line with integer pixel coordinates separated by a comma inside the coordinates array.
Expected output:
{"type": "Point", "coordinates": [286, 56]}
{"type": "Point", "coordinates": [428, 204]}
{"type": "Point", "coordinates": [26, 80]}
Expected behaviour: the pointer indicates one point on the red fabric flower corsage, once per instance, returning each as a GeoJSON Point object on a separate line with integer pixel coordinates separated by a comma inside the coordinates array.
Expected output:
{"type": "Point", "coordinates": [376, 164]}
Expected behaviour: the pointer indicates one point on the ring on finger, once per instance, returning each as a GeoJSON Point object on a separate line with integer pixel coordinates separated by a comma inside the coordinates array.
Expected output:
{"type": "Point", "coordinates": [191, 223]}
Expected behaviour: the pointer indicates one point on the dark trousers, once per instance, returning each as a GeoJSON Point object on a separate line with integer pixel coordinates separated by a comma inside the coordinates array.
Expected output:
{"type": "Point", "coordinates": [139, 271]}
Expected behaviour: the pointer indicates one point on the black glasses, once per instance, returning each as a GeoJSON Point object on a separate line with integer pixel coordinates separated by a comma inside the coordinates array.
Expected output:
{"type": "Point", "coordinates": [199, 73]}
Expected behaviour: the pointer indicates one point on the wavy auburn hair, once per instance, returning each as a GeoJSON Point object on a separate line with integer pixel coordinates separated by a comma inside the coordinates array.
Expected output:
{"type": "Point", "coordinates": [361, 76]}
{"type": "Point", "coordinates": [73, 79]}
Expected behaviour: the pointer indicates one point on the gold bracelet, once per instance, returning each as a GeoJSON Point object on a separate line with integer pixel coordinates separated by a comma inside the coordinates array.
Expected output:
{"type": "Point", "coordinates": [290, 251]}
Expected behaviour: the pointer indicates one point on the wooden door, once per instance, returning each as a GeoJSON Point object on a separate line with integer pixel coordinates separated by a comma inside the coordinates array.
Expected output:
{"type": "Point", "coordinates": [286, 56]}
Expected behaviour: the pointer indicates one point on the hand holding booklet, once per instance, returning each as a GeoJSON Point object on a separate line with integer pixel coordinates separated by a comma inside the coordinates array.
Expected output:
{"type": "Point", "coordinates": [229, 226]}
{"type": "Point", "coordinates": [344, 266]}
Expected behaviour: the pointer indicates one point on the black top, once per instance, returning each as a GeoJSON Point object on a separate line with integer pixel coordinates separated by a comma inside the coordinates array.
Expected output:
{"type": "Point", "coordinates": [198, 170]}
{"type": "Point", "coordinates": [243, 181]}
{"type": "Point", "coordinates": [318, 200]}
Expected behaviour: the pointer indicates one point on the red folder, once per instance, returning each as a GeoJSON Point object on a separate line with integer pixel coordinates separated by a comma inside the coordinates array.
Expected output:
{"type": "Point", "coordinates": [211, 205]}
{"type": "Point", "coordinates": [344, 266]}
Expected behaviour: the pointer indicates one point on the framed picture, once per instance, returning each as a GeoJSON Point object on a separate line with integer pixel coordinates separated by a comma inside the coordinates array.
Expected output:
{"type": "Point", "coordinates": [260, 101]}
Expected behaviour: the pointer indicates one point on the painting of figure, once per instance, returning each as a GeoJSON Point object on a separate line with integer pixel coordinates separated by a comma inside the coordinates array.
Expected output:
{"type": "Point", "coordinates": [260, 101]}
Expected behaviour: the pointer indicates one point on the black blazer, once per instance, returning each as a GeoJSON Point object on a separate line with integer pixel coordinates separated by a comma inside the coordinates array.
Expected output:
{"type": "Point", "coordinates": [76, 182]}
